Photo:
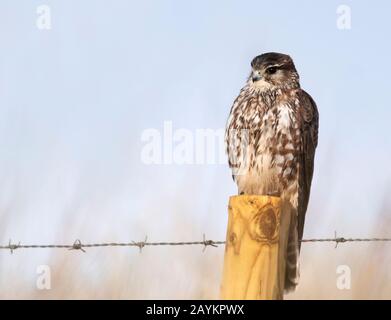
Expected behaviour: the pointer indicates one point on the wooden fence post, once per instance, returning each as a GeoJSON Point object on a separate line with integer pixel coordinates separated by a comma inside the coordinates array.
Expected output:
{"type": "Point", "coordinates": [254, 262]}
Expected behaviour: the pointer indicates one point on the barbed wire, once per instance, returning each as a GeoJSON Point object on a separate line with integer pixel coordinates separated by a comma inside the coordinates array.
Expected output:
{"type": "Point", "coordinates": [338, 240]}
{"type": "Point", "coordinates": [78, 245]}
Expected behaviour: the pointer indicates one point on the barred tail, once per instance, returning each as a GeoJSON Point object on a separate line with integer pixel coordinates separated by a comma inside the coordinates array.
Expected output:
{"type": "Point", "coordinates": [292, 257]}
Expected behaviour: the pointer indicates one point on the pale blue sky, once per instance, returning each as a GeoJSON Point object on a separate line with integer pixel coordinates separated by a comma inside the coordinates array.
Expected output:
{"type": "Point", "coordinates": [74, 101]}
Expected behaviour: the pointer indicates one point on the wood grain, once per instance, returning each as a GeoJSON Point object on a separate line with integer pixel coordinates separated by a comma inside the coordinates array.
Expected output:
{"type": "Point", "coordinates": [254, 263]}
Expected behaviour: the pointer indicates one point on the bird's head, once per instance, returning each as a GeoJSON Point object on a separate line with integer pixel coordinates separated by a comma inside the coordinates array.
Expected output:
{"type": "Point", "coordinates": [272, 71]}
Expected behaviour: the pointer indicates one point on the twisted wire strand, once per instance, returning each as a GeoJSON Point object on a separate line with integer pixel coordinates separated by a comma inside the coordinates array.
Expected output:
{"type": "Point", "coordinates": [78, 245]}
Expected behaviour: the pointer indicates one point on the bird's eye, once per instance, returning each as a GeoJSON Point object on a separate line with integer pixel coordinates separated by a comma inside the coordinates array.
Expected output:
{"type": "Point", "coordinates": [271, 70]}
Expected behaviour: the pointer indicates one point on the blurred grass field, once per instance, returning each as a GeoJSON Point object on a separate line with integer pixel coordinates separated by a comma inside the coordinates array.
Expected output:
{"type": "Point", "coordinates": [188, 272]}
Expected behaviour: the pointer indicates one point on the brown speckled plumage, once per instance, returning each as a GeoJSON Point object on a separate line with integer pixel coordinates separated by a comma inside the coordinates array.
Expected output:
{"type": "Point", "coordinates": [271, 137]}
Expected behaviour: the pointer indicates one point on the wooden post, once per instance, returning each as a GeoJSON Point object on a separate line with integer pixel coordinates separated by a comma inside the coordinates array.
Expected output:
{"type": "Point", "coordinates": [254, 263]}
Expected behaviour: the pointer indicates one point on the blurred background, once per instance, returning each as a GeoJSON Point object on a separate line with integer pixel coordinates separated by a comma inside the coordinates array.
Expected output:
{"type": "Point", "coordinates": [75, 100]}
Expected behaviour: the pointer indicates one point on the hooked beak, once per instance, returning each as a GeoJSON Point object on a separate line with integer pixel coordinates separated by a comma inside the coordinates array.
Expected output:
{"type": "Point", "coordinates": [256, 76]}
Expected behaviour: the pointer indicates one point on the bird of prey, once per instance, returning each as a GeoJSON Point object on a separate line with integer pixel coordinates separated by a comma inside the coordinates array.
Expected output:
{"type": "Point", "coordinates": [271, 137]}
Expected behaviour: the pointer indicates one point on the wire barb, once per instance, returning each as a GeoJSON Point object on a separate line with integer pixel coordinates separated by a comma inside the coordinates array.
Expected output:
{"type": "Point", "coordinates": [77, 245]}
{"type": "Point", "coordinates": [338, 240]}
{"type": "Point", "coordinates": [207, 243]}
{"type": "Point", "coordinates": [141, 244]}
{"type": "Point", "coordinates": [13, 247]}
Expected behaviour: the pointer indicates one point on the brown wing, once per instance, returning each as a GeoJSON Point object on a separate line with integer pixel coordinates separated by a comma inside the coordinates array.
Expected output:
{"type": "Point", "coordinates": [309, 135]}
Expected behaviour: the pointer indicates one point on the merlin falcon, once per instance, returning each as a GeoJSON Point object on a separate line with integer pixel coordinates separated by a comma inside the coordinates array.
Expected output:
{"type": "Point", "coordinates": [271, 137]}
